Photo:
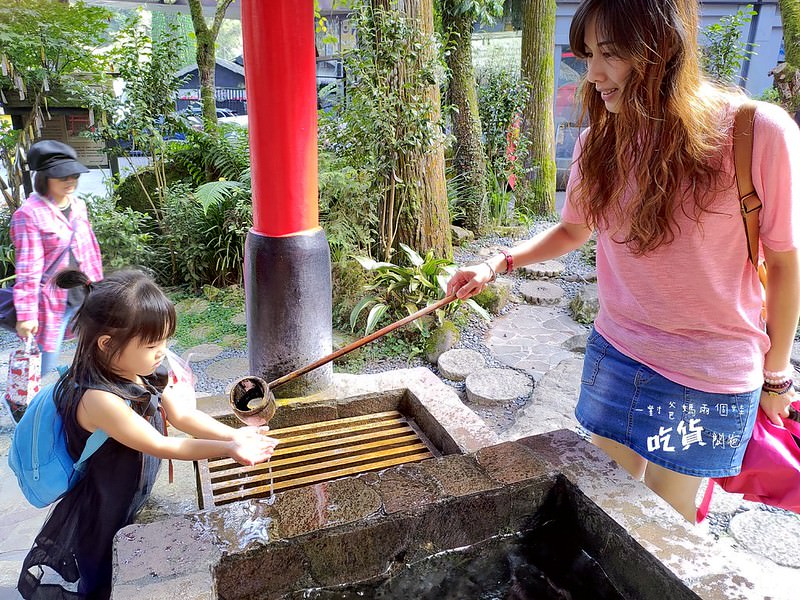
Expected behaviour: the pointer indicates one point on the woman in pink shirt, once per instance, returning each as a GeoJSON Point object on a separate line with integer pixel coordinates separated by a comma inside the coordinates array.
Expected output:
{"type": "Point", "coordinates": [678, 355]}
{"type": "Point", "coordinates": [51, 231]}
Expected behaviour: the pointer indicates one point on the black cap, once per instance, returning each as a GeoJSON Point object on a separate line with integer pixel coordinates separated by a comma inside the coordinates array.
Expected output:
{"type": "Point", "coordinates": [54, 159]}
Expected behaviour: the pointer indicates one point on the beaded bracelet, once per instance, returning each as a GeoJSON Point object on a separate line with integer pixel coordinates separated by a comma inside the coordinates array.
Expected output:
{"type": "Point", "coordinates": [779, 375]}
{"type": "Point", "coordinates": [777, 390]}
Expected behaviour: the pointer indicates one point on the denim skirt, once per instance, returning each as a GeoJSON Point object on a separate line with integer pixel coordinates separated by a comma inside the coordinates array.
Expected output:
{"type": "Point", "coordinates": [685, 430]}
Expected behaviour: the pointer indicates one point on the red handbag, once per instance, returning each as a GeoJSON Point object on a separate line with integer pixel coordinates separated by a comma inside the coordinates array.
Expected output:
{"type": "Point", "coordinates": [771, 466]}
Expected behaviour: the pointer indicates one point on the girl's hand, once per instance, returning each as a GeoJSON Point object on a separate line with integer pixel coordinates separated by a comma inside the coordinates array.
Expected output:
{"type": "Point", "coordinates": [468, 281]}
{"type": "Point", "coordinates": [252, 446]}
{"type": "Point", "coordinates": [244, 434]}
{"type": "Point", "coordinates": [776, 406]}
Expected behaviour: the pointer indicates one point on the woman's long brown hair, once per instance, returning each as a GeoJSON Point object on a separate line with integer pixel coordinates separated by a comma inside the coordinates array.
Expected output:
{"type": "Point", "coordinates": [667, 143]}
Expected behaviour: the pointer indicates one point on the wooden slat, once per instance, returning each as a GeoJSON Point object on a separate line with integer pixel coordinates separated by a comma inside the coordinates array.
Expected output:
{"type": "Point", "coordinates": [290, 443]}
{"type": "Point", "coordinates": [392, 414]}
{"type": "Point", "coordinates": [345, 447]}
{"type": "Point", "coordinates": [318, 452]}
{"type": "Point", "coordinates": [264, 490]}
{"type": "Point", "coordinates": [325, 465]}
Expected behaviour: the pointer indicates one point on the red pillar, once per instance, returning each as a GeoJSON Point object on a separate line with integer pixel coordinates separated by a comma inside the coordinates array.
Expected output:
{"type": "Point", "coordinates": [280, 75]}
{"type": "Point", "coordinates": [287, 258]}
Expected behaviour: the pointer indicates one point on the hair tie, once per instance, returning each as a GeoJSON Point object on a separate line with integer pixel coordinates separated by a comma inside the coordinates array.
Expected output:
{"type": "Point", "coordinates": [88, 286]}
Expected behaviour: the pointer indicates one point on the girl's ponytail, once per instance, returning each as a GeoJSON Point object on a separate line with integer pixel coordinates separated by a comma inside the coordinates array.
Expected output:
{"type": "Point", "coordinates": [72, 278]}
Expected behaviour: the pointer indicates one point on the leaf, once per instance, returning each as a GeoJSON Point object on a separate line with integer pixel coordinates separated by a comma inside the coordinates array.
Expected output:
{"type": "Point", "coordinates": [478, 309]}
{"type": "Point", "coordinates": [375, 316]}
{"type": "Point", "coordinates": [215, 192]}
{"type": "Point", "coordinates": [363, 303]}
{"type": "Point", "coordinates": [413, 255]}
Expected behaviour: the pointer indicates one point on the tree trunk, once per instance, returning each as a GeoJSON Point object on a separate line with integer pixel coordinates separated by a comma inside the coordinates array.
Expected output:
{"type": "Point", "coordinates": [207, 57]}
{"type": "Point", "coordinates": [538, 41]}
{"type": "Point", "coordinates": [787, 75]}
{"type": "Point", "coordinates": [423, 222]}
{"type": "Point", "coordinates": [468, 160]}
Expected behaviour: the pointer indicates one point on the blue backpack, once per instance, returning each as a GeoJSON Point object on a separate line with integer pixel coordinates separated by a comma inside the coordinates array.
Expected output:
{"type": "Point", "coordinates": [38, 455]}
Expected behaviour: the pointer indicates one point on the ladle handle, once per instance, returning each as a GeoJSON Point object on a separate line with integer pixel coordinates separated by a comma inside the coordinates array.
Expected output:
{"type": "Point", "coordinates": [365, 340]}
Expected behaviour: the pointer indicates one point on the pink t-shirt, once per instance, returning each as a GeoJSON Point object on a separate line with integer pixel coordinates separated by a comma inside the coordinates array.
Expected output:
{"type": "Point", "coordinates": [690, 310]}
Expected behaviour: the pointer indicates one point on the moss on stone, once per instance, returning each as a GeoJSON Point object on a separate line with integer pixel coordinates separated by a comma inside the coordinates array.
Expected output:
{"type": "Point", "coordinates": [493, 298]}
{"type": "Point", "coordinates": [441, 339]}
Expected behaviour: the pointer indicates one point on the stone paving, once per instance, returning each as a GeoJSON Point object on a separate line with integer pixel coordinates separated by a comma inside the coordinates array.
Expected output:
{"type": "Point", "coordinates": [540, 344]}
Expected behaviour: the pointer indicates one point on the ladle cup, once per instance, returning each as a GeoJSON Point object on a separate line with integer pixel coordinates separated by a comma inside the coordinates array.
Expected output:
{"type": "Point", "coordinates": [251, 398]}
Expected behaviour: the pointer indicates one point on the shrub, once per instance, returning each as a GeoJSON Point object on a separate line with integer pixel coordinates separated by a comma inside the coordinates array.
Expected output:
{"type": "Point", "coordinates": [130, 192]}
{"type": "Point", "coordinates": [123, 234]}
{"type": "Point", "coordinates": [397, 291]}
{"type": "Point", "coordinates": [202, 243]}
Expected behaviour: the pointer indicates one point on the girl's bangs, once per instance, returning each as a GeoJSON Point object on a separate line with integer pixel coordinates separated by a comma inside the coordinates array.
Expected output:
{"type": "Point", "coordinates": [156, 320]}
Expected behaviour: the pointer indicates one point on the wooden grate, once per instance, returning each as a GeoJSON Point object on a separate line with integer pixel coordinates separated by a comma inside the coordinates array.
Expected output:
{"type": "Point", "coordinates": [316, 452]}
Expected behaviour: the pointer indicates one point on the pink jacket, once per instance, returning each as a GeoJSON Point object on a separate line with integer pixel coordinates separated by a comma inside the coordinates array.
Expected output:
{"type": "Point", "coordinates": [40, 234]}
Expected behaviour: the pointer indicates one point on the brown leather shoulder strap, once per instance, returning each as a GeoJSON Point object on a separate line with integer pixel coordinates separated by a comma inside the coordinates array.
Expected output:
{"type": "Point", "coordinates": [749, 202]}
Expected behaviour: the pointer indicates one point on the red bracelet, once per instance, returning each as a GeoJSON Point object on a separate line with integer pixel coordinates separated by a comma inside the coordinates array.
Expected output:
{"type": "Point", "coordinates": [509, 260]}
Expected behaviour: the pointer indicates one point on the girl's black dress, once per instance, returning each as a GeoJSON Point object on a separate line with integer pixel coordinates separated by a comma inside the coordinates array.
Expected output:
{"type": "Point", "coordinates": [71, 556]}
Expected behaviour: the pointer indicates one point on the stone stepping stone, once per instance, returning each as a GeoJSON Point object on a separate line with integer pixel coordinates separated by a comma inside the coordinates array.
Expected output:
{"type": "Point", "coordinates": [456, 364]}
{"type": "Point", "coordinates": [202, 352]}
{"type": "Point", "coordinates": [232, 340]}
{"type": "Point", "coordinates": [240, 319]}
{"type": "Point", "coordinates": [773, 535]}
{"type": "Point", "coordinates": [548, 268]}
{"type": "Point", "coordinates": [541, 293]}
{"type": "Point", "coordinates": [497, 386]}
{"type": "Point", "coordinates": [196, 306]}
{"type": "Point", "coordinates": [228, 368]}
{"type": "Point", "coordinates": [201, 332]}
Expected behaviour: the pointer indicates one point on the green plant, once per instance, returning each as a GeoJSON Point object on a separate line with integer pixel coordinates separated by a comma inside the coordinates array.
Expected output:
{"type": "Point", "coordinates": [147, 66]}
{"type": "Point", "coordinates": [456, 194]}
{"type": "Point", "coordinates": [724, 51]}
{"type": "Point", "coordinates": [345, 208]}
{"type": "Point", "coordinates": [123, 234]}
{"type": "Point", "coordinates": [589, 251]}
{"type": "Point", "coordinates": [207, 226]}
{"type": "Point", "coordinates": [397, 291]}
{"type": "Point", "coordinates": [499, 201]}
{"type": "Point", "coordinates": [770, 95]}
{"type": "Point", "coordinates": [501, 97]}
{"type": "Point", "coordinates": [210, 316]}
{"type": "Point", "coordinates": [389, 120]}
{"type": "Point", "coordinates": [207, 157]}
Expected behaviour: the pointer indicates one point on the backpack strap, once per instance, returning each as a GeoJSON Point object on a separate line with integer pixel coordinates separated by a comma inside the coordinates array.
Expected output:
{"type": "Point", "coordinates": [749, 202]}
{"type": "Point", "coordinates": [93, 444]}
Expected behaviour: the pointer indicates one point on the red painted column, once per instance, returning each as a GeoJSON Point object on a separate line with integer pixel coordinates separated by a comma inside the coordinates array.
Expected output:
{"type": "Point", "coordinates": [280, 77]}
{"type": "Point", "coordinates": [286, 258]}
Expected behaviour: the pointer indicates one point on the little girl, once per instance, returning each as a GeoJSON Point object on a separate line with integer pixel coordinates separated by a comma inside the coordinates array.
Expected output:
{"type": "Point", "coordinates": [116, 383]}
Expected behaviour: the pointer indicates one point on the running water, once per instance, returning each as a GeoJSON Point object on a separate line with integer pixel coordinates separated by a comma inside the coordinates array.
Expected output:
{"type": "Point", "coordinates": [271, 500]}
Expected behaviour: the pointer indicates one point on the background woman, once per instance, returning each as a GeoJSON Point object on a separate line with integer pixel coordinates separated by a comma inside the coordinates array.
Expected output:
{"type": "Point", "coordinates": [51, 231]}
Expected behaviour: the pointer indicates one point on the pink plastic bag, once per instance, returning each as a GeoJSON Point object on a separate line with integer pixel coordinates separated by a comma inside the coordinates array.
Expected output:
{"type": "Point", "coordinates": [181, 378]}
{"type": "Point", "coordinates": [771, 467]}
{"type": "Point", "coordinates": [24, 377]}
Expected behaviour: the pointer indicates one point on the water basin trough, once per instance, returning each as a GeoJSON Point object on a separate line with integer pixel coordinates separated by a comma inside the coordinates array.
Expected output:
{"type": "Point", "coordinates": [547, 516]}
